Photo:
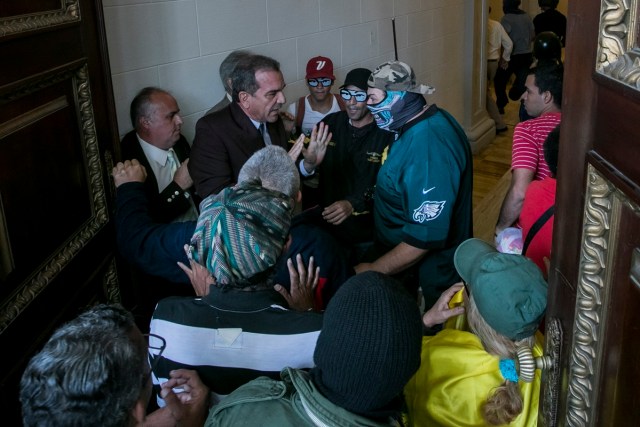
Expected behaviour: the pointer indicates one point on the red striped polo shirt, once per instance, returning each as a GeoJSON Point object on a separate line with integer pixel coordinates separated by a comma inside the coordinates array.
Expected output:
{"type": "Point", "coordinates": [528, 140]}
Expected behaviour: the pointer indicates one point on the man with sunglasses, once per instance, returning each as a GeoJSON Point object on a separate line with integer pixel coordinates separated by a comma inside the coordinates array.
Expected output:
{"type": "Point", "coordinates": [350, 166]}
{"type": "Point", "coordinates": [310, 109]}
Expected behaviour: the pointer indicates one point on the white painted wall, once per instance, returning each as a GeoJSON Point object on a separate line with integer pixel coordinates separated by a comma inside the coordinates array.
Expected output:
{"type": "Point", "coordinates": [178, 44]}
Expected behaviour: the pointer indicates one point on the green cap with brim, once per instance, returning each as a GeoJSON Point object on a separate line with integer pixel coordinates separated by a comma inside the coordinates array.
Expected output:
{"type": "Point", "coordinates": [509, 290]}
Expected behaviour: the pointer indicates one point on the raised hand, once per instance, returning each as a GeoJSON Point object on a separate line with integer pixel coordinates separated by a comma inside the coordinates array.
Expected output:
{"type": "Point", "coordinates": [296, 149]}
{"type": "Point", "coordinates": [303, 283]}
{"type": "Point", "coordinates": [200, 278]}
{"type": "Point", "coordinates": [314, 153]}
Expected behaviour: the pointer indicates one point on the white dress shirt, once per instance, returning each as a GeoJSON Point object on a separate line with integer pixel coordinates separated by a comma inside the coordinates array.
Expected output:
{"type": "Point", "coordinates": [159, 162]}
{"type": "Point", "coordinates": [497, 37]}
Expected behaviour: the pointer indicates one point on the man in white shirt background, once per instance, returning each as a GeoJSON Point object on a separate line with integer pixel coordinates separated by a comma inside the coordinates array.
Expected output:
{"type": "Point", "coordinates": [499, 47]}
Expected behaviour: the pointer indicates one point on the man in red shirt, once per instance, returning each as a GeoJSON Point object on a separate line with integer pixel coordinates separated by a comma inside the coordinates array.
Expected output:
{"type": "Point", "coordinates": [542, 100]}
{"type": "Point", "coordinates": [540, 196]}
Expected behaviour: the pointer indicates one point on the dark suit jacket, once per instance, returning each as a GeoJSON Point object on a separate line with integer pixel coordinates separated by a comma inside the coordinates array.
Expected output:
{"type": "Point", "coordinates": [173, 200]}
{"type": "Point", "coordinates": [154, 248]}
{"type": "Point", "coordinates": [219, 106]}
{"type": "Point", "coordinates": [224, 141]}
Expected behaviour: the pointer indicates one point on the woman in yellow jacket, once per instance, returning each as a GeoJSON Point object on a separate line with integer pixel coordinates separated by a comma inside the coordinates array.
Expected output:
{"type": "Point", "coordinates": [487, 376]}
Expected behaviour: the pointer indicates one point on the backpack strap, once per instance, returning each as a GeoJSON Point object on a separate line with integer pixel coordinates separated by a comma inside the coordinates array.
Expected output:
{"type": "Point", "coordinates": [537, 226]}
{"type": "Point", "coordinates": [300, 114]}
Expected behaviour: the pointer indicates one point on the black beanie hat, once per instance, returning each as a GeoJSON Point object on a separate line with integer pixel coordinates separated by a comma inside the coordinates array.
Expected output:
{"type": "Point", "coordinates": [369, 346]}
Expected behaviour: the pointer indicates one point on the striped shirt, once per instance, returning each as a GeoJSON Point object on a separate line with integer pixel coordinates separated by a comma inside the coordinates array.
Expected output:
{"type": "Point", "coordinates": [528, 142]}
{"type": "Point", "coordinates": [232, 337]}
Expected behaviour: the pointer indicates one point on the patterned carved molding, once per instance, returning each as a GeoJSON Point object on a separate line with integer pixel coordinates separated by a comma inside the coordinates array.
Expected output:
{"type": "Point", "coordinates": [6, 254]}
{"type": "Point", "coordinates": [587, 323]}
{"type": "Point", "coordinates": [110, 283]}
{"type": "Point", "coordinates": [601, 217]}
{"type": "Point", "coordinates": [69, 12]}
{"type": "Point", "coordinates": [41, 277]}
{"type": "Point", "coordinates": [37, 82]}
{"type": "Point", "coordinates": [618, 56]}
{"type": "Point", "coordinates": [551, 377]}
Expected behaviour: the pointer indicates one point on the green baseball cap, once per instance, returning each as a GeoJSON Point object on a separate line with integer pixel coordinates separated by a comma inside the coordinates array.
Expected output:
{"type": "Point", "coordinates": [509, 290]}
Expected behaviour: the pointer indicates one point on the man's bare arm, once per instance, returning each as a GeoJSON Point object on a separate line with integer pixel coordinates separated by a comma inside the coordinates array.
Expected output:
{"type": "Point", "coordinates": [512, 204]}
{"type": "Point", "coordinates": [398, 259]}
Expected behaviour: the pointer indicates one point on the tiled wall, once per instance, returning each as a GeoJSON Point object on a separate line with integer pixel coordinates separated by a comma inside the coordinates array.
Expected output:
{"type": "Point", "coordinates": [179, 44]}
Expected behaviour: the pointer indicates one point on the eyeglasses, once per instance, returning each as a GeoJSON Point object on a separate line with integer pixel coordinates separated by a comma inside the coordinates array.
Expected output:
{"type": "Point", "coordinates": [323, 82]}
{"type": "Point", "coordinates": [156, 345]}
{"type": "Point", "coordinates": [359, 95]}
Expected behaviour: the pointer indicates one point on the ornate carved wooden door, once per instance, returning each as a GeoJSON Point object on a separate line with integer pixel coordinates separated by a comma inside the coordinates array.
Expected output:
{"type": "Point", "coordinates": [56, 139]}
{"type": "Point", "coordinates": [594, 300]}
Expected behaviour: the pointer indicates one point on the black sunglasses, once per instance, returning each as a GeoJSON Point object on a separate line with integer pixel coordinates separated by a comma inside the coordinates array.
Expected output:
{"type": "Point", "coordinates": [156, 345]}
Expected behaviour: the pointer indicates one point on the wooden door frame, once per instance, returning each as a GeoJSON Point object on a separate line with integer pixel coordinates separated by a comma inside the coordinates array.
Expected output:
{"type": "Point", "coordinates": [598, 67]}
{"type": "Point", "coordinates": [79, 268]}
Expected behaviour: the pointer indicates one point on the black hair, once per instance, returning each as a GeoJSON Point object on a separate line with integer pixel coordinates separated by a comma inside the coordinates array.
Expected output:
{"type": "Point", "coordinates": [244, 75]}
{"type": "Point", "coordinates": [551, 4]}
{"type": "Point", "coordinates": [550, 149]}
{"type": "Point", "coordinates": [511, 6]}
{"type": "Point", "coordinates": [548, 75]}
{"type": "Point", "coordinates": [90, 372]}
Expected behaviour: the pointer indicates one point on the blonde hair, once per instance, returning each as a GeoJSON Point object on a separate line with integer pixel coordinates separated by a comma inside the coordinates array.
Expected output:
{"type": "Point", "coordinates": [504, 403]}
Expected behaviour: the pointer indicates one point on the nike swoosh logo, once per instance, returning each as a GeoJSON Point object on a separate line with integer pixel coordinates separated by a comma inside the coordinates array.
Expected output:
{"type": "Point", "coordinates": [426, 191]}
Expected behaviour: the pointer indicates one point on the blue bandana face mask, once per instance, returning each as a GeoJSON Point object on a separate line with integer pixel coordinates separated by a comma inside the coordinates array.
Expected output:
{"type": "Point", "coordinates": [382, 110]}
{"type": "Point", "coordinates": [397, 109]}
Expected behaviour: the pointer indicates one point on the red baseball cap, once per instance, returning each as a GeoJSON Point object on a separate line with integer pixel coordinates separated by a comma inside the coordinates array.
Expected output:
{"type": "Point", "coordinates": [320, 66]}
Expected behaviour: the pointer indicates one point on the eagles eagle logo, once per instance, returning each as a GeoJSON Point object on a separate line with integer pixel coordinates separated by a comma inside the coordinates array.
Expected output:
{"type": "Point", "coordinates": [428, 211]}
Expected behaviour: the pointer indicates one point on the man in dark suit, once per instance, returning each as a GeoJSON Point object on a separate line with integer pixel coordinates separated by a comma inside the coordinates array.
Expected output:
{"type": "Point", "coordinates": [158, 145]}
{"type": "Point", "coordinates": [227, 138]}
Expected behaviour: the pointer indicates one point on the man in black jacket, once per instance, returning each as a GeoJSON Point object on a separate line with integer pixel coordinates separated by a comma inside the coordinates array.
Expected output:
{"type": "Point", "coordinates": [157, 144]}
{"type": "Point", "coordinates": [350, 167]}
{"type": "Point", "coordinates": [155, 248]}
